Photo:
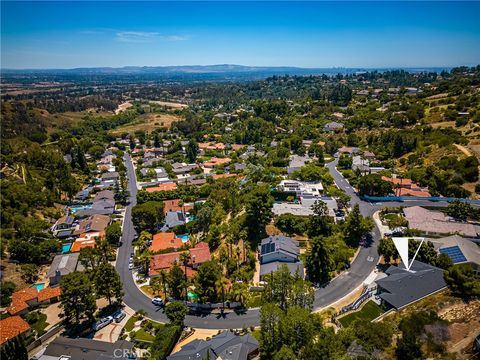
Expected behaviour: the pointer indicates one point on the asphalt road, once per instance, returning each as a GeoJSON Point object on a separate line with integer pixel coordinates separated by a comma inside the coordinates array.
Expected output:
{"type": "Point", "coordinates": [362, 266]}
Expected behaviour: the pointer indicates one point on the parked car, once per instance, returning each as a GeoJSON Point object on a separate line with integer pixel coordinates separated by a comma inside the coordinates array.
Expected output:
{"type": "Point", "coordinates": [157, 301]}
{"type": "Point", "coordinates": [100, 324]}
{"type": "Point", "coordinates": [130, 266]}
{"type": "Point", "coordinates": [119, 316]}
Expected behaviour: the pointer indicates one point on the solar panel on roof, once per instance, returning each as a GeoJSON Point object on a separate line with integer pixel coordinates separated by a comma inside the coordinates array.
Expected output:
{"type": "Point", "coordinates": [454, 253]}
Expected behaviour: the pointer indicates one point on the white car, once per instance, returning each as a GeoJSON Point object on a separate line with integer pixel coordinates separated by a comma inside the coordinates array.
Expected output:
{"type": "Point", "coordinates": [100, 324]}
{"type": "Point", "coordinates": [157, 301]}
{"type": "Point", "coordinates": [130, 266]}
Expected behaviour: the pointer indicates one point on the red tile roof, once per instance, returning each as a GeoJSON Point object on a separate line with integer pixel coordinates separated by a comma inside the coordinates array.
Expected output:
{"type": "Point", "coordinates": [11, 327]}
{"type": "Point", "coordinates": [200, 253]}
{"type": "Point", "coordinates": [49, 293]}
{"type": "Point", "coordinates": [214, 161]}
{"type": "Point", "coordinates": [80, 244]}
{"type": "Point", "coordinates": [162, 187]}
{"type": "Point", "coordinates": [211, 146]}
{"type": "Point", "coordinates": [237, 147]}
{"type": "Point", "coordinates": [174, 205]}
{"type": "Point", "coordinates": [401, 182]}
{"type": "Point", "coordinates": [411, 192]}
{"type": "Point", "coordinates": [20, 298]}
{"type": "Point", "coordinates": [165, 240]}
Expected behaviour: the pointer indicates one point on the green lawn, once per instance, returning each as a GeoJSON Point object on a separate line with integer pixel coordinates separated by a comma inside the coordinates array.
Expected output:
{"type": "Point", "coordinates": [130, 323]}
{"type": "Point", "coordinates": [144, 335]}
{"type": "Point", "coordinates": [37, 321]}
{"type": "Point", "coordinates": [368, 312]}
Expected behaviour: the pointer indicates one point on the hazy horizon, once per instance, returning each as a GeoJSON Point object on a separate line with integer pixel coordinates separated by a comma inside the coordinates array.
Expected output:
{"type": "Point", "coordinates": [68, 35]}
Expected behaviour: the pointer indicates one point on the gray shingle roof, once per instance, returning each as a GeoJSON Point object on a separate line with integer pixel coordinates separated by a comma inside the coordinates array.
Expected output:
{"type": "Point", "coordinates": [401, 287]}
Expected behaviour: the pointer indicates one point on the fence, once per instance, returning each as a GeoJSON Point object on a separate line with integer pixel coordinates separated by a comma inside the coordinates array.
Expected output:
{"type": "Point", "coordinates": [421, 198]}
{"type": "Point", "coordinates": [53, 331]}
{"type": "Point", "coordinates": [366, 295]}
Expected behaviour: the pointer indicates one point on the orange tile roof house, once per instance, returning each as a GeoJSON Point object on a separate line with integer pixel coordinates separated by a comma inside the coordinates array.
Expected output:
{"type": "Point", "coordinates": [198, 255]}
{"type": "Point", "coordinates": [211, 146]}
{"type": "Point", "coordinates": [214, 161]}
{"type": "Point", "coordinates": [174, 205]}
{"type": "Point", "coordinates": [165, 240]}
{"type": "Point", "coordinates": [24, 299]}
{"type": "Point", "coordinates": [406, 187]}
{"type": "Point", "coordinates": [162, 187]}
{"type": "Point", "coordinates": [12, 327]}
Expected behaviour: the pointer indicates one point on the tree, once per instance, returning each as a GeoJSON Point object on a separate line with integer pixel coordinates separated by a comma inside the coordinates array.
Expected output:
{"type": "Point", "coordinates": [462, 281]}
{"type": "Point", "coordinates": [373, 185]}
{"type": "Point", "coordinates": [77, 298]}
{"type": "Point", "coordinates": [258, 206]}
{"type": "Point", "coordinates": [89, 258]}
{"type": "Point", "coordinates": [29, 272]}
{"type": "Point", "coordinates": [148, 216]}
{"type": "Point", "coordinates": [113, 233]}
{"type": "Point", "coordinates": [459, 210]}
{"type": "Point", "coordinates": [108, 283]}
{"type": "Point", "coordinates": [191, 151]}
{"type": "Point", "coordinates": [144, 259]}
{"type": "Point", "coordinates": [345, 162]}
{"type": "Point", "coordinates": [104, 250]}
{"type": "Point", "coordinates": [386, 248]}
{"type": "Point", "coordinates": [285, 353]}
{"type": "Point", "coordinates": [356, 226]}
{"type": "Point", "coordinates": [14, 349]}
{"type": "Point", "coordinates": [206, 280]}
{"type": "Point", "coordinates": [320, 221]}
{"type": "Point", "coordinates": [296, 328]}
{"type": "Point", "coordinates": [6, 290]}
{"type": "Point", "coordinates": [270, 336]}
{"type": "Point", "coordinates": [319, 261]}
{"type": "Point", "coordinates": [176, 280]}
{"type": "Point", "coordinates": [341, 95]}
{"type": "Point", "coordinates": [176, 312]}
{"type": "Point", "coordinates": [184, 260]}
{"type": "Point", "coordinates": [444, 261]}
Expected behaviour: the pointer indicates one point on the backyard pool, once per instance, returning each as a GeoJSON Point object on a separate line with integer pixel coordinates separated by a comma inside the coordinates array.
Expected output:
{"type": "Point", "coordinates": [66, 248]}
{"type": "Point", "coordinates": [74, 208]}
{"type": "Point", "coordinates": [39, 286]}
{"type": "Point", "coordinates": [183, 237]}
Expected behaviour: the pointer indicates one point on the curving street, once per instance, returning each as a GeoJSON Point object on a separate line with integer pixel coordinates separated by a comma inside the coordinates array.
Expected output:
{"type": "Point", "coordinates": [342, 285]}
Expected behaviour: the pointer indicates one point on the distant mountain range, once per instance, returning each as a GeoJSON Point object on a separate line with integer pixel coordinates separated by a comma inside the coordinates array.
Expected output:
{"type": "Point", "coordinates": [222, 69]}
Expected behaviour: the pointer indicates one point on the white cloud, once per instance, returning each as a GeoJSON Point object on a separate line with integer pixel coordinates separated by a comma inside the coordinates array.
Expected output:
{"type": "Point", "coordinates": [146, 37]}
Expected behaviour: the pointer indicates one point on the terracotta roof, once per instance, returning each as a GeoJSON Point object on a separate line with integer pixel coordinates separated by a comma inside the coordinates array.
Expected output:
{"type": "Point", "coordinates": [162, 187]}
{"type": "Point", "coordinates": [222, 176]}
{"type": "Point", "coordinates": [165, 240]}
{"type": "Point", "coordinates": [174, 205]}
{"type": "Point", "coordinates": [214, 161]}
{"type": "Point", "coordinates": [80, 244]}
{"type": "Point", "coordinates": [200, 253]}
{"type": "Point", "coordinates": [411, 192]}
{"type": "Point", "coordinates": [402, 182]}
{"type": "Point", "coordinates": [321, 143]}
{"type": "Point", "coordinates": [11, 327]}
{"type": "Point", "coordinates": [20, 298]}
{"type": "Point", "coordinates": [211, 146]}
{"type": "Point", "coordinates": [237, 147]}
{"type": "Point", "coordinates": [49, 293]}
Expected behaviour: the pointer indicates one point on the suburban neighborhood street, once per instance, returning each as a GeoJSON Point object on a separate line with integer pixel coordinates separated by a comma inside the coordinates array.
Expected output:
{"type": "Point", "coordinates": [363, 265]}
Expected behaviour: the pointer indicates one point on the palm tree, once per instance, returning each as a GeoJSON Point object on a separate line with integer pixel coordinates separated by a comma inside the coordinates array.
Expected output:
{"type": "Point", "coordinates": [222, 283]}
{"type": "Point", "coordinates": [240, 291]}
{"type": "Point", "coordinates": [163, 279]}
{"type": "Point", "coordinates": [184, 259]}
{"type": "Point", "coordinates": [144, 259]}
{"type": "Point", "coordinates": [104, 248]}
{"type": "Point", "coordinates": [155, 284]}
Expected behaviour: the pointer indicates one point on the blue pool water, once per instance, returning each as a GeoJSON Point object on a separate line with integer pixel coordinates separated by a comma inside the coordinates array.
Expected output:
{"type": "Point", "coordinates": [75, 208]}
{"type": "Point", "coordinates": [66, 248]}
{"type": "Point", "coordinates": [184, 237]}
{"type": "Point", "coordinates": [39, 286]}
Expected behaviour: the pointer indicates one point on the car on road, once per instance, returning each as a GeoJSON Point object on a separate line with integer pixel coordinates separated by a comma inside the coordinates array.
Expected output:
{"type": "Point", "coordinates": [130, 266]}
{"type": "Point", "coordinates": [157, 301]}
{"type": "Point", "coordinates": [119, 316]}
{"type": "Point", "coordinates": [100, 324]}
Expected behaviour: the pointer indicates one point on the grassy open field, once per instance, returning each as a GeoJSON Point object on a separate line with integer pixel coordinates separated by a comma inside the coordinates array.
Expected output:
{"type": "Point", "coordinates": [369, 311]}
{"type": "Point", "coordinates": [61, 120]}
{"type": "Point", "coordinates": [168, 104]}
{"type": "Point", "coordinates": [147, 123]}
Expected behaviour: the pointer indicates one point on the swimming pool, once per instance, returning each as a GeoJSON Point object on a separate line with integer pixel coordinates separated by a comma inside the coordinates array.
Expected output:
{"type": "Point", "coordinates": [183, 237]}
{"type": "Point", "coordinates": [66, 248]}
{"type": "Point", "coordinates": [73, 209]}
{"type": "Point", "coordinates": [39, 286]}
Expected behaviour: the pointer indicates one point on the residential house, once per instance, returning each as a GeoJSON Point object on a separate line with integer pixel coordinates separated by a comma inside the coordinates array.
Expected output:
{"type": "Point", "coordinates": [437, 223]}
{"type": "Point", "coordinates": [104, 195]}
{"type": "Point", "coordinates": [162, 187]}
{"type": "Point", "coordinates": [176, 205]}
{"type": "Point", "coordinates": [333, 126]}
{"type": "Point", "coordinates": [63, 348]}
{"type": "Point", "coordinates": [11, 327]}
{"type": "Point", "coordinates": [63, 265]}
{"type": "Point", "coordinates": [164, 241]}
{"type": "Point", "coordinates": [350, 150]}
{"type": "Point", "coordinates": [297, 162]}
{"type": "Point", "coordinates": [363, 93]}
{"type": "Point", "coordinates": [197, 256]}
{"type": "Point", "coordinates": [63, 227]}
{"type": "Point", "coordinates": [402, 287]}
{"type": "Point", "coordinates": [172, 219]}
{"type": "Point", "coordinates": [225, 346]}
{"type": "Point", "coordinates": [110, 176]}
{"type": "Point", "coordinates": [215, 161]}
{"type": "Point", "coordinates": [277, 250]}
{"type": "Point", "coordinates": [406, 187]}
{"type": "Point", "coordinates": [460, 250]}
{"type": "Point", "coordinates": [93, 223]}
{"type": "Point", "coordinates": [211, 146]}
{"type": "Point", "coordinates": [182, 168]}
{"type": "Point", "coordinates": [23, 300]}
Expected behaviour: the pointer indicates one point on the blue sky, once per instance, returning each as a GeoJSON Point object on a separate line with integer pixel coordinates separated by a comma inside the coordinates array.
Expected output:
{"type": "Point", "coordinates": [312, 34]}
